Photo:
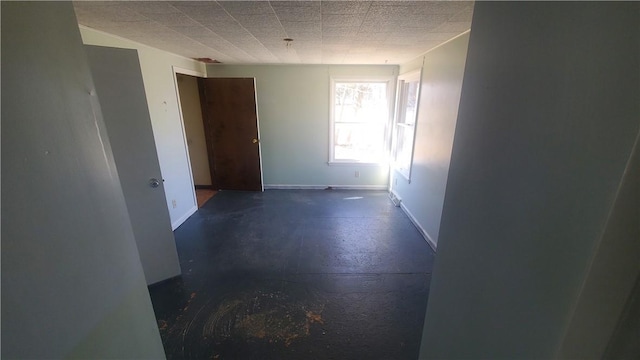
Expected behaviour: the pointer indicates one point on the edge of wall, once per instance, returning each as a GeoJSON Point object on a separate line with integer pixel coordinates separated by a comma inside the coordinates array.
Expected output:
{"type": "Point", "coordinates": [615, 256]}
{"type": "Point", "coordinates": [184, 218]}
{"type": "Point", "coordinates": [416, 223]}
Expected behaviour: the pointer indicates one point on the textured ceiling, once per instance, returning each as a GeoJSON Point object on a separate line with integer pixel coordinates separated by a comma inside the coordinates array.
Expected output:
{"type": "Point", "coordinates": [324, 32]}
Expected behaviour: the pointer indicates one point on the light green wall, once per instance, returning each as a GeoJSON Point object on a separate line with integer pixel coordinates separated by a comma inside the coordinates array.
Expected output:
{"type": "Point", "coordinates": [293, 111]}
{"type": "Point", "coordinates": [162, 99]}
{"type": "Point", "coordinates": [546, 126]}
{"type": "Point", "coordinates": [72, 282]}
{"type": "Point", "coordinates": [441, 86]}
{"type": "Point", "coordinates": [412, 65]}
{"type": "Point", "coordinates": [194, 128]}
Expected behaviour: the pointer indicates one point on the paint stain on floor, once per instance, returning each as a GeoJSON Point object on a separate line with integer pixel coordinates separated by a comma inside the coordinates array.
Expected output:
{"type": "Point", "coordinates": [269, 317]}
{"type": "Point", "coordinates": [272, 316]}
{"type": "Point", "coordinates": [292, 275]}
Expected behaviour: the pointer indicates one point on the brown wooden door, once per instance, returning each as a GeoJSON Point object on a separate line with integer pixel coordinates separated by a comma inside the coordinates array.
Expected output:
{"type": "Point", "coordinates": [231, 129]}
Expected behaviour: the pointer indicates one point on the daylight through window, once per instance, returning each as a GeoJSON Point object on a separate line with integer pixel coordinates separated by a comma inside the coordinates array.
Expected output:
{"type": "Point", "coordinates": [405, 123]}
{"type": "Point", "coordinates": [360, 118]}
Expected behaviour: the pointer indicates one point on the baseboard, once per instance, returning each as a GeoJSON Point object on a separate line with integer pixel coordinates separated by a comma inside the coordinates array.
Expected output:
{"type": "Point", "coordinates": [421, 230]}
{"type": "Point", "coordinates": [294, 187]}
{"type": "Point", "coordinates": [324, 187]}
{"type": "Point", "coordinates": [204, 187]}
{"type": "Point", "coordinates": [184, 217]}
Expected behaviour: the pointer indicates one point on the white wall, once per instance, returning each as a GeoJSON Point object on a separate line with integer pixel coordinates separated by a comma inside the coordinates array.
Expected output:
{"type": "Point", "coordinates": [293, 111]}
{"type": "Point", "coordinates": [624, 341]}
{"type": "Point", "coordinates": [441, 85]}
{"type": "Point", "coordinates": [611, 276]}
{"type": "Point", "coordinates": [548, 117]}
{"type": "Point", "coordinates": [72, 282]}
{"type": "Point", "coordinates": [162, 99]}
{"type": "Point", "coordinates": [194, 128]}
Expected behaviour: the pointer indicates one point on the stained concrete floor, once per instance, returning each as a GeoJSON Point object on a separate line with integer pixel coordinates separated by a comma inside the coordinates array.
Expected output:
{"type": "Point", "coordinates": [317, 274]}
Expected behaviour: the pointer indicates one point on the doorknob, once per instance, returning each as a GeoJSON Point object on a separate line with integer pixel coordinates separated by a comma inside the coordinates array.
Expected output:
{"type": "Point", "coordinates": [154, 183]}
{"type": "Point", "coordinates": [255, 141]}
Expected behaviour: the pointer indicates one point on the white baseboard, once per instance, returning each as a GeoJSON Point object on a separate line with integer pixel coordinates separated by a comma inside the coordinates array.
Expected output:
{"type": "Point", "coordinates": [294, 187]}
{"type": "Point", "coordinates": [323, 187]}
{"type": "Point", "coordinates": [184, 217]}
{"type": "Point", "coordinates": [421, 230]}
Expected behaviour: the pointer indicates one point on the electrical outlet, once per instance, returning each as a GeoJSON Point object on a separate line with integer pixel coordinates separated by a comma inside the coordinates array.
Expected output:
{"type": "Point", "coordinates": [357, 173]}
{"type": "Point", "coordinates": [174, 203]}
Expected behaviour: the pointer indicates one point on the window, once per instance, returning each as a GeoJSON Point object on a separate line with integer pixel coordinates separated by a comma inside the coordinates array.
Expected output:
{"type": "Point", "coordinates": [359, 120]}
{"type": "Point", "coordinates": [405, 122]}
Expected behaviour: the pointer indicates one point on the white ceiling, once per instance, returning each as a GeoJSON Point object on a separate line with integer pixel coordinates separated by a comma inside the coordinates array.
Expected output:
{"type": "Point", "coordinates": [324, 32]}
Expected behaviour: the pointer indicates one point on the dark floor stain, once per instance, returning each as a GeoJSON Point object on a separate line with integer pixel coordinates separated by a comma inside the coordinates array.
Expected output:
{"type": "Point", "coordinates": [296, 275]}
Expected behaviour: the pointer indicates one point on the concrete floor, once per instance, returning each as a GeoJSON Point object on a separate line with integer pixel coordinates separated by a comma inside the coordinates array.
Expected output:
{"type": "Point", "coordinates": [297, 274]}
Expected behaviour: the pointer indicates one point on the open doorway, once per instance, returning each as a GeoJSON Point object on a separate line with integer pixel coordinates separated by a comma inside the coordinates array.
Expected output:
{"type": "Point", "coordinates": [195, 137]}
{"type": "Point", "coordinates": [221, 133]}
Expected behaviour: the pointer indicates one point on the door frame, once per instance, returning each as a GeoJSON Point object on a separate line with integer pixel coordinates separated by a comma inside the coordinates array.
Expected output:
{"type": "Point", "coordinates": [255, 93]}
{"type": "Point", "coordinates": [178, 70]}
{"type": "Point", "coordinates": [207, 135]}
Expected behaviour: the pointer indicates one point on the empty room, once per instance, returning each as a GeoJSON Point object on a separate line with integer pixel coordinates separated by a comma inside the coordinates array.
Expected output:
{"type": "Point", "coordinates": [320, 179]}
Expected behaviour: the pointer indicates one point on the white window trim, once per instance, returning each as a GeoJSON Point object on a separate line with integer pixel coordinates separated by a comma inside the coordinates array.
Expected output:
{"type": "Point", "coordinates": [390, 80]}
{"type": "Point", "coordinates": [409, 76]}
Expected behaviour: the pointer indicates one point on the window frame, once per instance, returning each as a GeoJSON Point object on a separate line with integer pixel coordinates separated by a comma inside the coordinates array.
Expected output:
{"type": "Point", "coordinates": [400, 113]}
{"type": "Point", "coordinates": [390, 81]}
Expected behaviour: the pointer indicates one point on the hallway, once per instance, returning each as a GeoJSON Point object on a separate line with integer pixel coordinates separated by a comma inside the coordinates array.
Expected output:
{"type": "Point", "coordinates": [296, 274]}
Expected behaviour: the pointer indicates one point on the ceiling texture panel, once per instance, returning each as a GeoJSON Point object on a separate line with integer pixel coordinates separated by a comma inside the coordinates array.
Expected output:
{"type": "Point", "coordinates": [253, 32]}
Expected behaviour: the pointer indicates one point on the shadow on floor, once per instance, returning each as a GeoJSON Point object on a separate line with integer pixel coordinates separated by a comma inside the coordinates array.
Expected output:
{"type": "Point", "coordinates": [321, 274]}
